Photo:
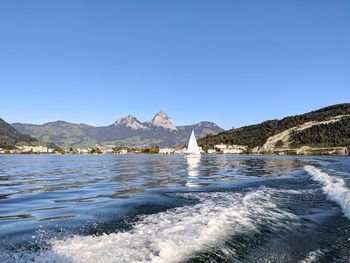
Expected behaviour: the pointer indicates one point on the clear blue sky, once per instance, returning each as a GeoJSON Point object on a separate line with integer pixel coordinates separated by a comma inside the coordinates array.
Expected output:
{"type": "Point", "coordinates": [231, 62]}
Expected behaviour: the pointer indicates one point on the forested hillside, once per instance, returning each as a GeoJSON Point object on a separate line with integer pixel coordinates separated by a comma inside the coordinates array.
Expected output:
{"type": "Point", "coordinates": [9, 136]}
{"type": "Point", "coordinates": [256, 135]}
{"type": "Point", "coordinates": [324, 135]}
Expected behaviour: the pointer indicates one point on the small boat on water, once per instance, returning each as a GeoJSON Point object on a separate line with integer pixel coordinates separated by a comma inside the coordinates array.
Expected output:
{"type": "Point", "coordinates": [192, 148]}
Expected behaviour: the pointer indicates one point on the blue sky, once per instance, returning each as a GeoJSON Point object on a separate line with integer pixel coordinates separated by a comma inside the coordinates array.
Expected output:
{"type": "Point", "coordinates": [231, 62]}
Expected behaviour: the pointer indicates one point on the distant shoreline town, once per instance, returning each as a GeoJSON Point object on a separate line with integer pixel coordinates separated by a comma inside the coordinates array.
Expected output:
{"type": "Point", "coordinates": [217, 149]}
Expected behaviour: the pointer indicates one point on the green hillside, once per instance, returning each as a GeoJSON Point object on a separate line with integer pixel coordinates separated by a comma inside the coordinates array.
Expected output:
{"type": "Point", "coordinates": [10, 137]}
{"type": "Point", "coordinates": [256, 135]}
{"type": "Point", "coordinates": [324, 135]}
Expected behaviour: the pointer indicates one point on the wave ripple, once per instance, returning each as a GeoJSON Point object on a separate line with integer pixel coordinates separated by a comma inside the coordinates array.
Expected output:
{"type": "Point", "coordinates": [333, 186]}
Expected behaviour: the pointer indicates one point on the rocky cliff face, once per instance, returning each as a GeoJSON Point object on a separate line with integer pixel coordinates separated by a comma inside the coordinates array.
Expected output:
{"type": "Point", "coordinates": [162, 120]}
{"type": "Point", "coordinates": [129, 122]}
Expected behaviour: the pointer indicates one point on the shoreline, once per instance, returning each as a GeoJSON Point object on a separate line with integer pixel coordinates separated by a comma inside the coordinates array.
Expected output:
{"type": "Point", "coordinates": [204, 154]}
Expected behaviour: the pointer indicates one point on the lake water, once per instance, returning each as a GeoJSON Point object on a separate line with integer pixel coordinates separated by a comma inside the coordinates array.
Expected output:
{"type": "Point", "coordinates": [154, 208]}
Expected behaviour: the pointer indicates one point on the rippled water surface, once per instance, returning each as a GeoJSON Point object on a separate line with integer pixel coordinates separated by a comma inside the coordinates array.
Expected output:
{"type": "Point", "coordinates": [154, 208]}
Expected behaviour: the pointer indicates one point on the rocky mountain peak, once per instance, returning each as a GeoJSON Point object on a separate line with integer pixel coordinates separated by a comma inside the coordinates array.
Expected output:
{"type": "Point", "coordinates": [162, 120]}
{"type": "Point", "coordinates": [130, 122]}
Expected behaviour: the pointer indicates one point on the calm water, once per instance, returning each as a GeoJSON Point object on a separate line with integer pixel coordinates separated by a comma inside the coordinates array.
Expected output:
{"type": "Point", "coordinates": [152, 208]}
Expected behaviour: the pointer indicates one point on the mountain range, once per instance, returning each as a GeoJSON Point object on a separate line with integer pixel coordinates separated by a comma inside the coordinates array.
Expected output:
{"type": "Point", "coordinates": [326, 127]}
{"type": "Point", "coordinates": [127, 131]}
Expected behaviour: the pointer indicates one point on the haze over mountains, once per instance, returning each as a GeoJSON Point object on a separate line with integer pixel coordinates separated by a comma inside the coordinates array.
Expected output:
{"type": "Point", "coordinates": [126, 131]}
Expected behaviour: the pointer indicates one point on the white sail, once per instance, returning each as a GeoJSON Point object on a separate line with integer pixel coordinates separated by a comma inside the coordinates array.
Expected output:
{"type": "Point", "coordinates": [192, 145]}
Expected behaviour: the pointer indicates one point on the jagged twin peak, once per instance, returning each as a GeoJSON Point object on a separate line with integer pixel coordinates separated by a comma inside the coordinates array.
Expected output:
{"type": "Point", "coordinates": [160, 120]}
{"type": "Point", "coordinates": [130, 122]}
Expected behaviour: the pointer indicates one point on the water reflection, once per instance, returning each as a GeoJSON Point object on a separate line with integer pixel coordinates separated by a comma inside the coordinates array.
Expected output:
{"type": "Point", "coordinates": [192, 165]}
{"type": "Point", "coordinates": [192, 170]}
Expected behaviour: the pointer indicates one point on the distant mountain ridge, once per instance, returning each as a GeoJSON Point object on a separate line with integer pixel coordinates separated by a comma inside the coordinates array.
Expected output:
{"type": "Point", "coordinates": [326, 127]}
{"type": "Point", "coordinates": [125, 131]}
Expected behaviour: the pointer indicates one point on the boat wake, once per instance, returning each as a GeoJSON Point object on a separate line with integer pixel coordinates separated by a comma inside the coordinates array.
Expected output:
{"type": "Point", "coordinates": [176, 234]}
{"type": "Point", "coordinates": [333, 186]}
{"type": "Point", "coordinates": [313, 256]}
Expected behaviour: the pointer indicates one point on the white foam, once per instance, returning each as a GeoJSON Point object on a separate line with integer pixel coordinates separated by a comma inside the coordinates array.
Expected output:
{"type": "Point", "coordinates": [174, 235]}
{"type": "Point", "coordinates": [313, 256]}
{"type": "Point", "coordinates": [333, 186]}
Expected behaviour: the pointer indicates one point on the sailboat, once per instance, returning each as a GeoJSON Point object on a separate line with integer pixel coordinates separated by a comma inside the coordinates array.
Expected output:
{"type": "Point", "coordinates": [192, 148]}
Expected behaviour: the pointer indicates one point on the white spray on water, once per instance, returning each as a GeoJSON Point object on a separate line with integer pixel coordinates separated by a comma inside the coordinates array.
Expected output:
{"type": "Point", "coordinates": [334, 186]}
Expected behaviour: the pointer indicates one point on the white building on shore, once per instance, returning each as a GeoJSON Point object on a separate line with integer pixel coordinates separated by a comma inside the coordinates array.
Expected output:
{"type": "Point", "coordinates": [232, 151]}
{"type": "Point", "coordinates": [35, 149]}
{"type": "Point", "coordinates": [228, 149]}
{"type": "Point", "coordinates": [211, 151]}
{"type": "Point", "coordinates": [83, 150]}
{"type": "Point", "coordinates": [166, 150]}
{"type": "Point", "coordinates": [220, 146]}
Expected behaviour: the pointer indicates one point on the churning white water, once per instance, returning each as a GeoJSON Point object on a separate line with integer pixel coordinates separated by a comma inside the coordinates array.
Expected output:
{"type": "Point", "coordinates": [176, 234]}
{"type": "Point", "coordinates": [333, 186]}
